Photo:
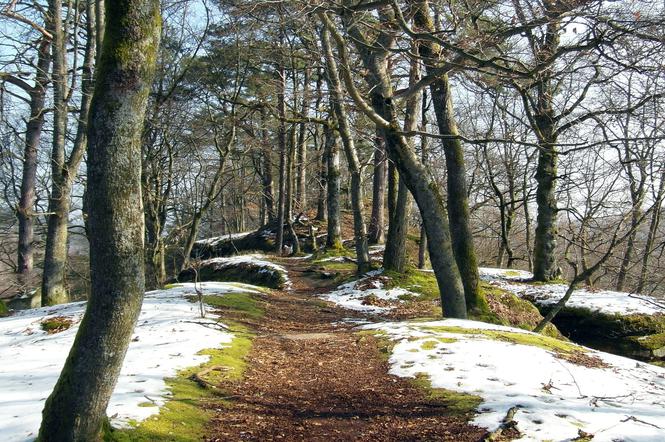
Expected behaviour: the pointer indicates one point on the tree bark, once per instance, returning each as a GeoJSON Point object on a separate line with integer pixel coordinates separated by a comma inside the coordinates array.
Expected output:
{"type": "Point", "coordinates": [25, 212]}
{"type": "Point", "coordinates": [377, 231]}
{"type": "Point", "coordinates": [457, 195]}
{"type": "Point", "coordinates": [55, 253]}
{"type": "Point", "coordinates": [75, 410]}
{"type": "Point", "coordinates": [281, 142]}
{"type": "Point", "coordinates": [359, 228]}
{"type": "Point", "coordinates": [334, 232]}
{"type": "Point", "coordinates": [301, 154]}
{"type": "Point", "coordinates": [394, 257]}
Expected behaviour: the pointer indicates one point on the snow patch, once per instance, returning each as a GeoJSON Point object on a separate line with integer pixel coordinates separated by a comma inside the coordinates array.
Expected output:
{"type": "Point", "coordinates": [603, 301]}
{"type": "Point", "coordinates": [555, 398]}
{"type": "Point", "coordinates": [167, 338]}
{"type": "Point", "coordinates": [352, 295]}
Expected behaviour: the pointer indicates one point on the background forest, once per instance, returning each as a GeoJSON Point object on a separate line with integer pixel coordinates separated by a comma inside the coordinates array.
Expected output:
{"type": "Point", "coordinates": [538, 124]}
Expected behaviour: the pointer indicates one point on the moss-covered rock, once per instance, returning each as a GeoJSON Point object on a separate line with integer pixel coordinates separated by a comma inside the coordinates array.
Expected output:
{"type": "Point", "coordinates": [4, 311]}
{"type": "Point", "coordinates": [506, 308]}
{"type": "Point", "coordinates": [635, 335]}
{"type": "Point", "coordinates": [248, 271]}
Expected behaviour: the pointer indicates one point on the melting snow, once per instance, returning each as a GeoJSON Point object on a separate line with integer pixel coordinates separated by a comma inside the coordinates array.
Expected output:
{"type": "Point", "coordinates": [167, 338]}
{"type": "Point", "coordinates": [555, 398]}
{"type": "Point", "coordinates": [352, 294]}
{"type": "Point", "coordinates": [604, 301]}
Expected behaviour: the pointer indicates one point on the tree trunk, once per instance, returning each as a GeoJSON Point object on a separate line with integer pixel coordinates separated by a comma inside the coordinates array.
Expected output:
{"type": "Point", "coordinates": [281, 142]}
{"type": "Point", "coordinates": [377, 220]}
{"type": "Point", "coordinates": [266, 176]}
{"type": "Point", "coordinates": [64, 169]}
{"type": "Point", "coordinates": [359, 228]}
{"type": "Point", "coordinates": [651, 236]}
{"type": "Point", "coordinates": [321, 213]}
{"type": "Point", "coordinates": [458, 199]}
{"type": "Point", "coordinates": [394, 257]}
{"type": "Point", "coordinates": [424, 147]}
{"type": "Point", "coordinates": [545, 267]}
{"type": "Point", "coordinates": [55, 253]}
{"type": "Point", "coordinates": [301, 155]}
{"type": "Point", "coordinates": [33, 134]}
{"type": "Point", "coordinates": [76, 408]}
{"type": "Point", "coordinates": [290, 176]}
{"type": "Point", "coordinates": [334, 232]}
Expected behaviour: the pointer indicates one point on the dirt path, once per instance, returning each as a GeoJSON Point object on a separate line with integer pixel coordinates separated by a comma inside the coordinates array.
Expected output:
{"type": "Point", "coordinates": [311, 380]}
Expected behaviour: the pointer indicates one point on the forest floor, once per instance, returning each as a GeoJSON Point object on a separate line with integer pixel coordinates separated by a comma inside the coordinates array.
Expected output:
{"type": "Point", "coordinates": [311, 377]}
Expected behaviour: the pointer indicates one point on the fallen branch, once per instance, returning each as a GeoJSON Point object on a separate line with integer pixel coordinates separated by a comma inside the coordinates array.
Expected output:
{"type": "Point", "coordinates": [199, 377]}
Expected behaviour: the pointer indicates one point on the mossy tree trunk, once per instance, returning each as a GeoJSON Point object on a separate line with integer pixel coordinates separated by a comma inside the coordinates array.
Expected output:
{"type": "Point", "coordinates": [424, 147]}
{"type": "Point", "coordinates": [335, 87]}
{"type": "Point", "coordinates": [76, 408]}
{"type": "Point", "coordinates": [457, 194]}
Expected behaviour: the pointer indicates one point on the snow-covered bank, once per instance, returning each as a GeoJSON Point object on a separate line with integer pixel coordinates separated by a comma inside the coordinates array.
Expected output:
{"type": "Point", "coordinates": [254, 269]}
{"type": "Point", "coordinates": [365, 293]}
{"type": "Point", "coordinates": [603, 301]}
{"type": "Point", "coordinates": [611, 397]}
{"type": "Point", "coordinates": [167, 338]}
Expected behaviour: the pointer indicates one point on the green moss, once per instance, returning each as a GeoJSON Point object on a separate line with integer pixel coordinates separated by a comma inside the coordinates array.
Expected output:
{"type": "Point", "coordinates": [183, 418]}
{"type": "Point", "coordinates": [456, 402]}
{"type": "Point", "coordinates": [428, 345]}
{"type": "Point", "coordinates": [550, 282]}
{"type": "Point", "coordinates": [56, 324]}
{"type": "Point", "coordinates": [506, 308]}
{"type": "Point", "coordinates": [534, 340]}
{"type": "Point", "coordinates": [650, 342]}
{"type": "Point", "coordinates": [339, 266]}
{"type": "Point", "coordinates": [147, 404]}
{"type": "Point", "coordinates": [414, 280]}
{"type": "Point", "coordinates": [331, 252]}
{"type": "Point", "coordinates": [4, 311]}
{"type": "Point", "coordinates": [244, 304]}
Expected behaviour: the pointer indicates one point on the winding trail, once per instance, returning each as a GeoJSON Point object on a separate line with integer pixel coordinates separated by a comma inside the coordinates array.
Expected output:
{"type": "Point", "coordinates": [311, 378]}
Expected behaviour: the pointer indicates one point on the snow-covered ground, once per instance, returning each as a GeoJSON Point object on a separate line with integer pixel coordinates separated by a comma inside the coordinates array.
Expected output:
{"type": "Point", "coordinates": [555, 398]}
{"type": "Point", "coordinates": [352, 295]}
{"type": "Point", "coordinates": [168, 336]}
{"type": "Point", "coordinates": [604, 301]}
